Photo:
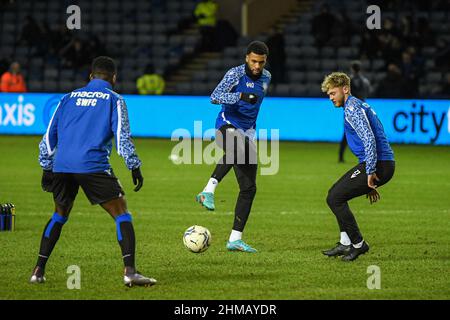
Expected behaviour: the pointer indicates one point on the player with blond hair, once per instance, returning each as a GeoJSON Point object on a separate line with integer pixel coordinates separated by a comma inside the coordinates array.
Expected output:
{"type": "Point", "coordinates": [367, 140]}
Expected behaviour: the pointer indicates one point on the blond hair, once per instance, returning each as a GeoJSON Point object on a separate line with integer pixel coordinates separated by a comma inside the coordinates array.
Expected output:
{"type": "Point", "coordinates": [335, 79]}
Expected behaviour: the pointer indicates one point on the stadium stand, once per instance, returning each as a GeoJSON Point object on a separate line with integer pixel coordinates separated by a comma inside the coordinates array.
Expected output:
{"type": "Point", "coordinates": [136, 33]}
{"type": "Point", "coordinates": [414, 38]}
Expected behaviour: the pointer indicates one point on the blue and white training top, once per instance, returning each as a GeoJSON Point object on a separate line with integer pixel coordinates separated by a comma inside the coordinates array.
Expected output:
{"type": "Point", "coordinates": [236, 112]}
{"type": "Point", "coordinates": [365, 134]}
{"type": "Point", "coordinates": [79, 135]}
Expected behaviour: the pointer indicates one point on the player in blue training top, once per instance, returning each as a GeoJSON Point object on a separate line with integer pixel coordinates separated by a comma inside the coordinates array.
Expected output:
{"type": "Point", "coordinates": [240, 93]}
{"type": "Point", "coordinates": [74, 152]}
{"type": "Point", "coordinates": [367, 140]}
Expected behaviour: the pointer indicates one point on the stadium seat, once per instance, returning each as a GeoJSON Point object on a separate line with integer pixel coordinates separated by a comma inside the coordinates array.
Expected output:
{"type": "Point", "coordinates": [328, 52]}
{"type": "Point", "coordinates": [314, 76]}
{"type": "Point", "coordinates": [282, 90]}
{"type": "Point", "coordinates": [297, 77]}
{"type": "Point", "coordinates": [35, 86]}
{"type": "Point", "coordinates": [214, 65]}
{"type": "Point", "coordinates": [50, 86]}
{"type": "Point", "coordinates": [433, 77]}
{"type": "Point", "coordinates": [346, 52]}
{"type": "Point", "coordinates": [365, 65]}
{"type": "Point", "coordinates": [149, 28]}
{"type": "Point", "coordinates": [379, 76]}
{"type": "Point", "coordinates": [429, 64]}
{"type": "Point", "coordinates": [51, 73]}
{"type": "Point", "coordinates": [199, 76]}
{"type": "Point", "coordinates": [66, 75]}
{"type": "Point", "coordinates": [129, 87]}
{"type": "Point", "coordinates": [295, 63]}
{"type": "Point", "coordinates": [183, 88]}
{"type": "Point", "coordinates": [309, 51]}
{"type": "Point", "coordinates": [229, 63]}
{"type": "Point", "coordinates": [293, 51]}
{"type": "Point", "coordinates": [67, 86]}
{"type": "Point", "coordinates": [378, 64]}
{"type": "Point", "coordinates": [314, 90]}
{"type": "Point", "coordinates": [329, 65]}
{"type": "Point", "coordinates": [214, 76]}
{"type": "Point", "coordinates": [299, 90]}
{"type": "Point", "coordinates": [311, 64]}
{"type": "Point", "coordinates": [200, 89]}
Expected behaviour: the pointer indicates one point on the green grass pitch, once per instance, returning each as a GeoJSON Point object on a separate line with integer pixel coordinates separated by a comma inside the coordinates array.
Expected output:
{"type": "Point", "coordinates": [408, 230]}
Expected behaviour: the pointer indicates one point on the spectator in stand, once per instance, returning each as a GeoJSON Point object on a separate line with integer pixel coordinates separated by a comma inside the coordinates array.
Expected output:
{"type": "Point", "coordinates": [226, 35]}
{"type": "Point", "coordinates": [75, 55]}
{"type": "Point", "coordinates": [393, 85]}
{"type": "Point", "coordinates": [342, 28]}
{"type": "Point", "coordinates": [62, 38]}
{"type": "Point", "coordinates": [393, 51]}
{"type": "Point", "coordinates": [31, 32]}
{"type": "Point", "coordinates": [410, 72]}
{"type": "Point", "coordinates": [277, 58]}
{"type": "Point", "coordinates": [389, 27]}
{"type": "Point", "coordinates": [423, 35]}
{"type": "Point", "coordinates": [322, 26]}
{"type": "Point", "coordinates": [12, 80]}
{"type": "Point", "coordinates": [369, 47]}
{"type": "Point", "coordinates": [387, 36]}
{"type": "Point", "coordinates": [150, 82]}
{"type": "Point", "coordinates": [206, 15]}
{"type": "Point", "coordinates": [406, 29]}
{"type": "Point", "coordinates": [95, 47]}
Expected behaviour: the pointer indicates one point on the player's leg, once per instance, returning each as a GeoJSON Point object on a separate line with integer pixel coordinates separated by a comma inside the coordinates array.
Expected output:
{"type": "Point", "coordinates": [117, 208]}
{"type": "Point", "coordinates": [351, 185]}
{"type": "Point", "coordinates": [246, 177]}
{"type": "Point", "coordinates": [385, 171]}
{"type": "Point", "coordinates": [342, 147]}
{"type": "Point", "coordinates": [206, 197]}
{"type": "Point", "coordinates": [105, 189]}
{"type": "Point", "coordinates": [64, 190]}
{"type": "Point", "coordinates": [343, 245]}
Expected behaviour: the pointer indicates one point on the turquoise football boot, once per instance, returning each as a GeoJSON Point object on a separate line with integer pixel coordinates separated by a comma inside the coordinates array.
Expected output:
{"type": "Point", "coordinates": [206, 199]}
{"type": "Point", "coordinates": [240, 245]}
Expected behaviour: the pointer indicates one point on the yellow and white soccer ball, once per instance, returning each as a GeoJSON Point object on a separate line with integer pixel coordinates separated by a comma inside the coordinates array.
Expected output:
{"type": "Point", "coordinates": [197, 239]}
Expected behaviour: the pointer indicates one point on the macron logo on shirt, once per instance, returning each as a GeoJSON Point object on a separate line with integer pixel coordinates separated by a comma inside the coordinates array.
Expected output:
{"type": "Point", "coordinates": [88, 98]}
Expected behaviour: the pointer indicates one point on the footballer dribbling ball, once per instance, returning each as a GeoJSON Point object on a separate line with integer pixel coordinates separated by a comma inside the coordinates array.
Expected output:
{"type": "Point", "coordinates": [197, 239]}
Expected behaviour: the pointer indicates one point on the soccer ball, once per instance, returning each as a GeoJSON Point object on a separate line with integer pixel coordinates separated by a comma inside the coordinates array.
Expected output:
{"type": "Point", "coordinates": [197, 239]}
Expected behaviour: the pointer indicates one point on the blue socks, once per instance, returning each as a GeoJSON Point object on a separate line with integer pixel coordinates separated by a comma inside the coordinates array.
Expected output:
{"type": "Point", "coordinates": [126, 238]}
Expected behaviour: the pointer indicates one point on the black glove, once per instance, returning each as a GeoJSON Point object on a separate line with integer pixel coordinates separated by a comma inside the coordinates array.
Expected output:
{"type": "Point", "coordinates": [249, 97]}
{"type": "Point", "coordinates": [47, 180]}
{"type": "Point", "coordinates": [137, 179]}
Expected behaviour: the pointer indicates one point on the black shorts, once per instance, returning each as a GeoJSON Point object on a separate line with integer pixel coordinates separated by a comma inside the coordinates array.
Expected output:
{"type": "Point", "coordinates": [238, 148]}
{"type": "Point", "coordinates": [354, 182]}
{"type": "Point", "coordinates": [98, 187]}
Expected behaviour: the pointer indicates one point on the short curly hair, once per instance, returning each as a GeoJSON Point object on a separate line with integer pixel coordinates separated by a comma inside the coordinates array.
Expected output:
{"type": "Point", "coordinates": [335, 79]}
{"type": "Point", "coordinates": [258, 47]}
